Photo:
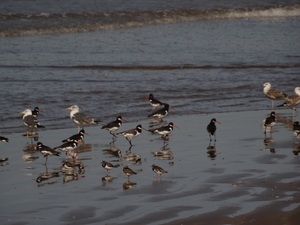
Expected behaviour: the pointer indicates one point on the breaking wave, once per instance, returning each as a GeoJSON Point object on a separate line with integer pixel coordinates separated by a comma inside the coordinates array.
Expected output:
{"type": "Point", "coordinates": [45, 23]}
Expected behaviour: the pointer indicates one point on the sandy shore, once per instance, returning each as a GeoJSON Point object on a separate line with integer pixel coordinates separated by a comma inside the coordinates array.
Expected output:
{"type": "Point", "coordinates": [246, 178]}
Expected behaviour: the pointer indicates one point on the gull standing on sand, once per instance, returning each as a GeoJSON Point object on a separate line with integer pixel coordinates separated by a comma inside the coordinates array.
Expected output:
{"type": "Point", "coordinates": [211, 128]}
{"type": "Point", "coordinates": [113, 126]}
{"type": "Point", "coordinates": [154, 102]}
{"type": "Point", "coordinates": [292, 100]}
{"type": "Point", "coordinates": [132, 133]}
{"type": "Point", "coordinates": [273, 93]}
{"type": "Point", "coordinates": [80, 119]}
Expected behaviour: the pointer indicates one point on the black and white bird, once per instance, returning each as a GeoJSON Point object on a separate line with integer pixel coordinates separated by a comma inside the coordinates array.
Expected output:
{"type": "Point", "coordinates": [158, 170]}
{"type": "Point", "coordinates": [161, 113]}
{"type": "Point", "coordinates": [212, 128]}
{"type": "Point", "coordinates": [3, 139]}
{"type": "Point", "coordinates": [296, 126]}
{"type": "Point", "coordinates": [132, 133]}
{"type": "Point", "coordinates": [108, 166]}
{"type": "Point", "coordinates": [36, 111]}
{"type": "Point", "coordinates": [270, 121]}
{"type": "Point", "coordinates": [164, 131]}
{"type": "Point", "coordinates": [30, 121]}
{"type": "Point", "coordinates": [80, 119]}
{"type": "Point", "coordinates": [76, 137]}
{"type": "Point", "coordinates": [68, 147]}
{"type": "Point", "coordinates": [46, 150]}
{"type": "Point", "coordinates": [292, 100]}
{"type": "Point", "coordinates": [128, 171]}
{"type": "Point", "coordinates": [113, 126]}
{"type": "Point", "coordinates": [272, 93]}
{"type": "Point", "coordinates": [154, 102]}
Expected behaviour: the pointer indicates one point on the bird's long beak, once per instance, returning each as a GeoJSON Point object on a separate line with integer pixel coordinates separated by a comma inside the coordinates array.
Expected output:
{"type": "Point", "coordinates": [176, 126]}
{"type": "Point", "coordinates": [80, 141]}
{"type": "Point", "coordinates": [218, 122]}
{"type": "Point", "coordinates": [170, 107]}
{"type": "Point", "coordinates": [143, 128]}
{"type": "Point", "coordinates": [22, 113]}
{"type": "Point", "coordinates": [68, 108]}
{"type": "Point", "coordinates": [124, 120]}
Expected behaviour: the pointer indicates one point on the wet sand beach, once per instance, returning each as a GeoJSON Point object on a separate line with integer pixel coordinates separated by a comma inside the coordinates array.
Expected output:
{"type": "Point", "coordinates": [246, 178]}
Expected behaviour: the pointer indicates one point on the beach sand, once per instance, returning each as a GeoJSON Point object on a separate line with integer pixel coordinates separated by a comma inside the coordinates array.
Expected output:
{"type": "Point", "coordinates": [245, 179]}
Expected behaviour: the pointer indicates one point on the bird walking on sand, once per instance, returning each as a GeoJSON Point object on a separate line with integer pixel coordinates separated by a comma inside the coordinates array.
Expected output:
{"type": "Point", "coordinates": [132, 133]}
{"type": "Point", "coordinates": [158, 170]}
{"type": "Point", "coordinates": [164, 131]}
{"type": "Point", "coordinates": [293, 100]}
{"type": "Point", "coordinates": [270, 121]}
{"type": "Point", "coordinates": [272, 93]}
{"type": "Point", "coordinates": [161, 113]}
{"type": "Point", "coordinates": [108, 166]}
{"type": "Point", "coordinates": [113, 126]}
{"type": "Point", "coordinates": [211, 128]}
{"type": "Point", "coordinates": [46, 151]}
{"type": "Point", "coordinates": [154, 102]}
{"type": "Point", "coordinates": [76, 137]}
{"type": "Point", "coordinates": [80, 119]}
{"type": "Point", "coordinates": [128, 171]}
{"type": "Point", "coordinates": [68, 146]}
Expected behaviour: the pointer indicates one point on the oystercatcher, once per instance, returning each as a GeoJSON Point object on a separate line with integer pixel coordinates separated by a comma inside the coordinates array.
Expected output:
{"type": "Point", "coordinates": [108, 166]}
{"type": "Point", "coordinates": [161, 113]}
{"type": "Point", "coordinates": [76, 137]}
{"type": "Point", "coordinates": [3, 139]}
{"type": "Point", "coordinates": [132, 133]}
{"type": "Point", "coordinates": [272, 93]}
{"type": "Point", "coordinates": [158, 170]}
{"type": "Point", "coordinates": [113, 126]}
{"type": "Point", "coordinates": [211, 128]}
{"type": "Point", "coordinates": [36, 111]}
{"type": "Point", "coordinates": [68, 146]}
{"type": "Point", "coordinates": [270, 121]}
{"type": "Point", "coordinates": [292, 100]}
{"type": "Point", "coordinates": [46, 150]}
{"type": "Point", "coordinates": [154, 102]}
{"type": "Point", "coordinates": [81, 119]}
{"type": "Point", "coordinates": [128, 172]}
{"type": "Point", "coordinates": [164, 130]}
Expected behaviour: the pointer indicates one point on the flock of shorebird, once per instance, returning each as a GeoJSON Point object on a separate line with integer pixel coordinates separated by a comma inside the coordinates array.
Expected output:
{"type": "Point", "coordinates": [160, 110]}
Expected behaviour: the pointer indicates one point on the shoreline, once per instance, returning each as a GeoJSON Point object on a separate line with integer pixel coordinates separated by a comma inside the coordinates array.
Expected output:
{"type": "Point", "coordinates": [235, 184]}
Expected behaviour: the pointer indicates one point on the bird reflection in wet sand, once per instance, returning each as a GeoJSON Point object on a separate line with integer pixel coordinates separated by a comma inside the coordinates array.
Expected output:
{"type": "Point", "coordinates": [46, 176]}
{"type": "Point", "coordinates": [107, 179]}
{"type": "Point", "coordinates": [108, 166]}
{"type": "Point", "coordinates": [211, 150]}
{"type": "Point", "coordinates": [28, 153]}
{"type": "Point", "coordinates": [296, 149]}
{"type": "Point", "coordinates": [164, 153]}
{"type": "Point", "coordinates": [127, 185]}
{"type": "Point", "coordinates": [131, 157]}
{"type": "Point", "coordinates": [113, 151]}
{"type": "Point", "coordinates": [158, 170]}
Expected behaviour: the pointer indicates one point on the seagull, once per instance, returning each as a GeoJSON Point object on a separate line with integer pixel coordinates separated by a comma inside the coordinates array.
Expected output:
{"type": "Point", "coordinates": [154, 102]}
{"type": "Point", "coordinates": [270, 121]}
{"type": "Point", "coordinates": [132, 133]}
{"type": "Point", "coordinates": [273, 93]}
{"type": "Point", "coordinates": [46, 150]}
{"type": "Point", "coordinates": [113, 126]}
{"type": "Point", "coordinates": [158, 170]}
{"type": "Point", "coordinates": [108, 166]}
{"type": "Point", "coordinates": [3, 139]}
{"type": "Point", "coordinates": [128, 171]}
{"type": "Point", "coordinates": [164, 130]}
{"type": "Point", "coordinates": [80, 119]}
{"type": "Point", "coordinates": [161, 113]}
{"type": "Point", "coordinates": [76, 137]}
{"type": "Point", "coordinates": [211, 128]}
{"type": "Point", "coordinates": [30, 121]}
{"type": "Point", "coordinates": [292, 100]}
